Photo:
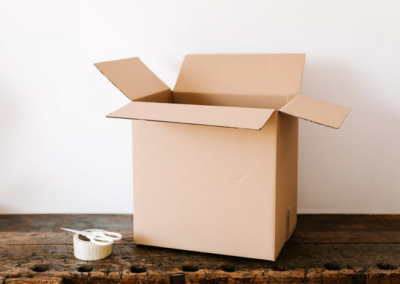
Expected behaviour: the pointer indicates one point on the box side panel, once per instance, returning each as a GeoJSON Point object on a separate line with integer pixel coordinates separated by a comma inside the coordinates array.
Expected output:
{"type": "Point", "coordinates": [207, 189]}
{"type": "Point", "coordinates": [286, 179]}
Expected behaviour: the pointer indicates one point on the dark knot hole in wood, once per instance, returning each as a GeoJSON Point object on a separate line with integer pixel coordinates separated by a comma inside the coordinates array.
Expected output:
{"type": "Point", "coordinates": [228, 268]}
{"type": "Point", "coordinates": [279, 268]}
{"type": "Point", "coordinates": [190, 268]}
{"type": "Point", "coordinates": [138, 268]}
{"type": "Point", "coordinates": [332, 266]}
{"type": "Point", "coordinates": [85, 268]}
{"type": "Point", "coordinates": [40, 267]}
{"type": "Point", "coordinates": [386, 266]}
{"type": "Point", "coordinates": [177, 278]}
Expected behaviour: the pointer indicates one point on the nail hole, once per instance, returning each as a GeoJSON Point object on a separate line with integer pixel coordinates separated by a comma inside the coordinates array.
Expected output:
{"type": "Point", "coordinates": [332, 266]}
{"type": "Point", "coordinates": [138, 268]}
{"type": "Point", "coordinates": [40, 268]}
{"type": "Point", "coordinates": [85, 268]}
{"type": "Point", "coordinates": [177, 278]}
{"type": "Point", "coordinates": [190, 268]}
{"type": "Point", "coordinates": [228, 268]}
{"type": "Point", "coordinates": [386, 266]}
{"type": "Point", "coordinates": [279, 268]}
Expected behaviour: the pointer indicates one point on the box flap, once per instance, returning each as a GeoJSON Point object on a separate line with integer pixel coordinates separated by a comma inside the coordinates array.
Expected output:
{"type": "Point", "coordinates": [253, 74]}
{"type": "Point", "coordinates": [233, 117]}
{"type": "Point", "coordinates": [132, 77]}
{"type": "Point", "coordinates": [317, 111]}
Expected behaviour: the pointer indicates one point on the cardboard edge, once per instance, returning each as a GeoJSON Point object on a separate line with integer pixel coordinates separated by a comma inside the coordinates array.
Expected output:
{"type": "Point", "coordinates": [189, 123]}
{"type": "Point", "coordinates": [319, 122]}
{"type": "Point", "coordinates": [201, 251]}
{"type": "Point", "coordinates": [299, 96]}
{"type": "Point", "coordinates": [276, 187]}
{"type": "Point", "coordinates": [194, 124]}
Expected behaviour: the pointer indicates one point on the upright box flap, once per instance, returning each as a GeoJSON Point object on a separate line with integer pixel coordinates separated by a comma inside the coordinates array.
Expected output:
{"type": "Point", "coordinates": [132, 77]}
{"type": "Point", "coordinates": [241, 74]}
{"type": "Point", "coordinates": [317, 111]}
{"type": "Point", "coordinates": [233, 117]}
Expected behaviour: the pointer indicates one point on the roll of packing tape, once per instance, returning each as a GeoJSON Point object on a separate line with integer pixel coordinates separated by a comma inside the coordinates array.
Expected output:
{"type": "Point", "coordinates": [86, 250]}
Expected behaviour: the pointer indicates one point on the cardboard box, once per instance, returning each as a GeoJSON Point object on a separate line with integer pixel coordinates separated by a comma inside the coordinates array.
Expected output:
{"type": "Point", "coordinates": [215, 160]}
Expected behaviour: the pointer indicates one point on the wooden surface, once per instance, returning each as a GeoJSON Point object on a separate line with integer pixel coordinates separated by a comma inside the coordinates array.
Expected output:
{"type": "Point", "coordinates": [323, 249]}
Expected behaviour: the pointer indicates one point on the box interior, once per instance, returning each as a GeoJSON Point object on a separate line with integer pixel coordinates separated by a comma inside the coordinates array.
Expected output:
{"type": "Point", "coordinates": [247, 101]}
{"type": "Point", "coordinates": [239, 80]}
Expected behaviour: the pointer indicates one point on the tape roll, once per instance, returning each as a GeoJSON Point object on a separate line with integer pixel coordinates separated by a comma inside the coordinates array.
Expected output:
{"type": "Point", "coordinates": [86, 250]}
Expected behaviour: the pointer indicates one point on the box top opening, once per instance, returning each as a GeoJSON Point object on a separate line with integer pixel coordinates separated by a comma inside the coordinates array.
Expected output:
{"type": "Point", "coordinates": [254, 85]}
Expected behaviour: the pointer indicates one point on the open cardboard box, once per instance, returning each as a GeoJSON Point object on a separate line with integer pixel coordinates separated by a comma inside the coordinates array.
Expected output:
{"type": "Point", "coordinates": [215, 160]}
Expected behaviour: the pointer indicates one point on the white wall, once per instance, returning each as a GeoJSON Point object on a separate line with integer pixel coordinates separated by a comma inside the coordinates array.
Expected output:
{"type": "Point", "coordinates": [59, 154]}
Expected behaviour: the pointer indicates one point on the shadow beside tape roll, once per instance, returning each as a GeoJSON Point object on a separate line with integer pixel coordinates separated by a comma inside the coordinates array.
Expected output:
{"type": "Point", "coordinates": [86, 250]}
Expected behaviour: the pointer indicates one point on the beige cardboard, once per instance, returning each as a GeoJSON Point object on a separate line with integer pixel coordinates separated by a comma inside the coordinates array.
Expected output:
{"type": "Point", "coordinates": [286, 179]}
{"type": "Point", "coordinates": [230, 189]}
{"type": "Point", "coordinates": [161, 97]}
{"type": "Point", "coordinates": [317, 111]}
{"type": "Point", "coordinates": [132, 77]}
{"type": "Point", "coordinates": [238, 74]}
{"type": "Point", "coordinates": [203, 188]}
{"type": "Point", "coordinates": [253, 101]}
{"type": "Point", "coordinates": [236, 117]}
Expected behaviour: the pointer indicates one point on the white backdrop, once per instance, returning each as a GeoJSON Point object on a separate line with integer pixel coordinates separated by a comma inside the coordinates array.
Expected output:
{"type": "Point", "coordinates": [59, 154]}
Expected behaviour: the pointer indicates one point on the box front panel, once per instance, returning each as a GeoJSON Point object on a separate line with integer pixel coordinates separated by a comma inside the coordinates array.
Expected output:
{"type": "Point", "coordinates": [207, 189]}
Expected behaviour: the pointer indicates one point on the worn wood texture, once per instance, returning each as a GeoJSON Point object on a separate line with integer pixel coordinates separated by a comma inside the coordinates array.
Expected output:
{"type": "Point", "coordinates": [36, 280]}
{"type": "Point", "coordinates": [323, 249]}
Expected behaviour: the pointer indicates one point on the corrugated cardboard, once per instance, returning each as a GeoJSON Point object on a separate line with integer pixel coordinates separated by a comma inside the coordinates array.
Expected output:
{"type": "Point", "coordinates": [215, 159]}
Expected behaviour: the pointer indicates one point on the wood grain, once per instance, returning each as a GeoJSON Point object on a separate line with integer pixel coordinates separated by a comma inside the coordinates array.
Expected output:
{"type": "Point", "coordinates": [36, 280]}
{"type": "Point", "coordinates": [323, 249]}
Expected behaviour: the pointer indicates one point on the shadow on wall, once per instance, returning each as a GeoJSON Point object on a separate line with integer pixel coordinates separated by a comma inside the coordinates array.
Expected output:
{"type": "Point", "coordinates": [5, 210]}
{"type": "Point", "coordinates": [354, 169]}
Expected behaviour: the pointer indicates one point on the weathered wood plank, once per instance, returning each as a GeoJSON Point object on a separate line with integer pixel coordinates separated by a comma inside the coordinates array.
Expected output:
{"type": "Point", "coordinates": [343, 222]}
{"type": "Point", "coordinates": [332, 229]}
{"type": "Point", "coordinates": [299, 237]}
{"type": "Point", "coordinates": [375, 276]}
{"type": "Point", "coordinates": [344, 237]}
{"type": "Point", "coordinates": [49, 238]}
{"type": "Point", "coordinates": [323, 249]}
{"type": "Point", "coordinates": [306, 222]}
{"type": "Point", "coordinates": [297, 256]}
{"type": "Point", "coordinates": [53, 222]}
{"type": "Point", "coordinates": [36, 280]}
{"type": "Point", "coordinates": [328, 229]}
